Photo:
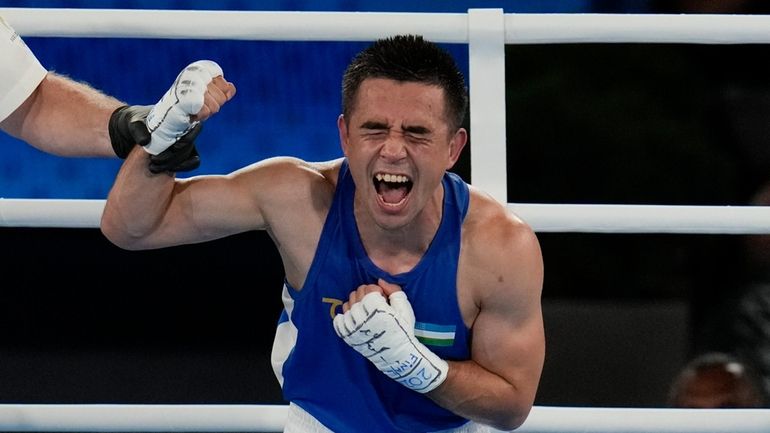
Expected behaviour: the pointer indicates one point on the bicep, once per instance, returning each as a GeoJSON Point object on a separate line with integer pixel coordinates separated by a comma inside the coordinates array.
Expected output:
{"type": "Point", "coordinates": [252, 198]}
{"type": "Point", "coordinates": [508, 335]}
{"type": "Point", "coordinates": [217, 206]}
{"type": "Point", "coordinates": [513, 348]}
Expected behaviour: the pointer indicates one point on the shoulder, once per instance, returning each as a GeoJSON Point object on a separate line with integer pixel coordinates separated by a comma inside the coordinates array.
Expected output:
{"type": "Point", "coordinates": [280, 188]}
{"type": "Point", "coordinates": [490, 224]}
{"type": "Point", "coordinates": [284, 172]}
{"type": "Point", "coordinates": [501, 249]}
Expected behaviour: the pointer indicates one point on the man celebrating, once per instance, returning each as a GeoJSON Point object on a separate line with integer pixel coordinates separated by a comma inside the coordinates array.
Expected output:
{"type": "Point", "coordinates": [412, 300]}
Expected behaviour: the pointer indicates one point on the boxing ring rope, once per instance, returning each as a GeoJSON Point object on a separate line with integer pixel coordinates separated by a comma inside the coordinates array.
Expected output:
{"type": "Point", "coordinates": [559, 218]}
{"type": "Point", "coordinates": [366, 26]}
{"type": "Point", "coordinates": [270, 418]}
{"type": "Point", "coordinates": [486, 31]}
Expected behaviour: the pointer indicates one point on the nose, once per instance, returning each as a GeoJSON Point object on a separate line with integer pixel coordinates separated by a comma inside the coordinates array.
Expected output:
{"type": "Point", "coordinates": [394, 148]}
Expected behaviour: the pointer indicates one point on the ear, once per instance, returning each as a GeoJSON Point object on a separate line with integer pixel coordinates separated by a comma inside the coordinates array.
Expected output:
{"type": "Point", "coordinates": [343, 131]}
{"type": "Point", "coordinates": [456, 146]}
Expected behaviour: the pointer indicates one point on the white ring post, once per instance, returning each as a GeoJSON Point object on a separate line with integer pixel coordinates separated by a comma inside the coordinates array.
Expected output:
{"type": "Point", "coordinates": [486, 45]}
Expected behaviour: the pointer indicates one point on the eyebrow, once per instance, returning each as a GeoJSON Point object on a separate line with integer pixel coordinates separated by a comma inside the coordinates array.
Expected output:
{"type": "Point", "coordinates": [371, 124]}
{"type": "Point", "coordinates": [374, 125]}
{"type": "Point", "coordinates": [416, 129]}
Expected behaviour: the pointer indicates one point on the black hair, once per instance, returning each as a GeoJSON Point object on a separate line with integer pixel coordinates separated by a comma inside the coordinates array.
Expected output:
{"type": "Point", "coordinates": [408, 58]}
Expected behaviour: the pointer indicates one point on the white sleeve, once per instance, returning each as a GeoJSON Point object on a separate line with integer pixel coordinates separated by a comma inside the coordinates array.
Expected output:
{"type": "Point", "coordinates": [20, 70]}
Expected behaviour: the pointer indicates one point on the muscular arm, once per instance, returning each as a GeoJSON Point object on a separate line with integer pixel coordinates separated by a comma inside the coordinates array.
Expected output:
{"type": "Point", "coordinates": [146, 210]}
{"type": "Point", "coordinates": [65, 118]}
{"type": "Point", "coordinates": [285, 195]}
{"type": "Point", "coordinates": [498, 385]}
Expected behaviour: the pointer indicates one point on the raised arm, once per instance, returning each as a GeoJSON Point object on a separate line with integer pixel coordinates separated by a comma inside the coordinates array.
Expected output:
{"type": "Point", "coordinates": [150, 209]}
{"type": "Point", "coordinates": [143, 197]}
{"type": "Point", "coordinates": [284, 195]}
{"type": "Point", "coordinates": [504, 269]}
{"type": "Point", "coordinates": [146, 210]}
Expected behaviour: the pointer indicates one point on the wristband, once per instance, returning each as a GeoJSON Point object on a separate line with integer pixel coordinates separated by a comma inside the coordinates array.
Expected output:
{"type": "Point", "coordinates": [127, 128]}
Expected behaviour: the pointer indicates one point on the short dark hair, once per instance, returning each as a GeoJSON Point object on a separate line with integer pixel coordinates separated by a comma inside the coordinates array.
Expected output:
{"type": "Point", "coordinates": [408, 58]}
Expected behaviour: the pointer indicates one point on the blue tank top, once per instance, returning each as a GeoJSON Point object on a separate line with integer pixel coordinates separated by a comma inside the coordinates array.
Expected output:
{"type": "Point", "coordinates": [331, 381]}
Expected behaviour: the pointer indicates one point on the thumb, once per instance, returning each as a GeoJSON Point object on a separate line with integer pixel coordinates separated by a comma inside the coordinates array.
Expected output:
{"type": "Point", "coordinates": [403, 308]}
{"type": "Point", "coordinates": [388, 288]}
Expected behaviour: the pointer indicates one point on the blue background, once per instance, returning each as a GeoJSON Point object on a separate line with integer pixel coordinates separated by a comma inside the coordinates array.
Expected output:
{"type": "Point", "coordinates": [288, 92]}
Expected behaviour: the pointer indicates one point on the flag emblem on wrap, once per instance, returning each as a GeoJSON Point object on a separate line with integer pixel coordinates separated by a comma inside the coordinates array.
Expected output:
{"type": "Point", "coordinates": [434, 335]}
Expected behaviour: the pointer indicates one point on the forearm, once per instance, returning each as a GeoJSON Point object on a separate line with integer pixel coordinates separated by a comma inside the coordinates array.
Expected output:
{"type": "Point", "coordinates": [136, 203]}
{"type": "Point", "coordinates": [475, 393]}
{"type": "Point", "coordinates": [65, 118]}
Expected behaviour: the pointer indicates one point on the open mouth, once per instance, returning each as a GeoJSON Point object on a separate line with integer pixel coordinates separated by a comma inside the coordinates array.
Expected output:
{"type": "Point", "coordinates": [393, 189]}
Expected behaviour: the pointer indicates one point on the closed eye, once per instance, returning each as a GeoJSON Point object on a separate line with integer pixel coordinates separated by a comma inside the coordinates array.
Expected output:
{"type": "Point", "coordinates": [420, 139]}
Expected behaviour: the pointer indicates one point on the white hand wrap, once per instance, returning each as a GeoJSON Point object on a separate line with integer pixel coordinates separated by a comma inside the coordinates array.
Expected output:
{"type": "Point", "coordinates": [169, 119]}
{"type": "Point", "coordinates": [384, 334]}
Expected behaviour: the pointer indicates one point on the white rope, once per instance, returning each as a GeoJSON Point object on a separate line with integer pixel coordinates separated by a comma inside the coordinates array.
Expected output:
{"type": "Point", "coordinates": [366, 26]}
{"type": "Point", "coordinates": [271, 418]}
{"type": "Point", "coordinates": [645, 218]}
{"type": "Point", "coordinates": [234, 25]}
{"type": "Point", "coordinates": [141, 418]}
{"type": "Point", "coordinates": [542, 217]}
{"type": "Point", "coordinates": [638, 420]}
{"type": "Point", "coordinates": [647, 28]}
{"type": "Point", "coordinates": [50, 213]}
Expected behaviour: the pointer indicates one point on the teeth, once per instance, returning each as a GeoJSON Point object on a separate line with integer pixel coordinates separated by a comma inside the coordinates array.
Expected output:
{"type": "Point", "coordinates": [396, 178]}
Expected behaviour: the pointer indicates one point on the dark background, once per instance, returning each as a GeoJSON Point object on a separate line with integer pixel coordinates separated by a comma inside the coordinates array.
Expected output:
{"type": "Point", "coordinates": [85, 322]}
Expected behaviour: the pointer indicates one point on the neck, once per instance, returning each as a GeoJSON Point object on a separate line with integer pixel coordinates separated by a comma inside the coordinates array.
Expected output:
{"type": "Point", "coordinates": [398, 250]}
